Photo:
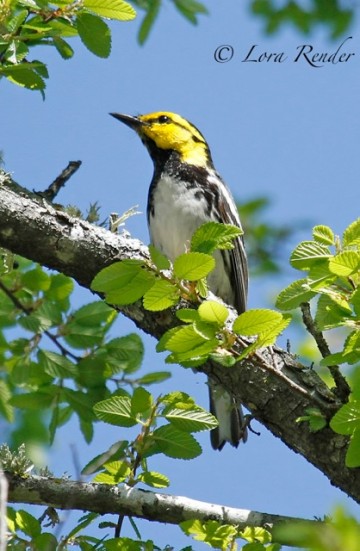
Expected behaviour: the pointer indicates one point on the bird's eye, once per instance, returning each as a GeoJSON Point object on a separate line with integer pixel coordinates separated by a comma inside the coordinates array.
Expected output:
{"type": "Point", "coordinates": [163, 119]}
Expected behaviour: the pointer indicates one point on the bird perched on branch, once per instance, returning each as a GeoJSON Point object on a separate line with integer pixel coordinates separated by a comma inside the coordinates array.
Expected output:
{"type": "Point", "coordinates": [185, 192]}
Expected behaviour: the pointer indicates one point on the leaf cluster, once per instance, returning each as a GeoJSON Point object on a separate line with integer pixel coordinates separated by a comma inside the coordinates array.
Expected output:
{"type": "Point", "coordinates": [25, 24]}
{"type": "Point", "coordinates": [190, 9]}
{"type": "Point", "coordinates": [333, 14]}
{"type": "Point", "coordinates": [332, 269]}
{"type": "Point", "coordinates": [222, 536]}
{"type": "Point", "coordinates": [205, 332]}
{"type": "Point", "coordinates": [332, 283]}
{"type": "Point", "coordinates": [63, 360]}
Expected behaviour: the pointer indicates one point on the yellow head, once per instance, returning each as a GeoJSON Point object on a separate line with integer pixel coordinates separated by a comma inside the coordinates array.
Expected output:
{"type": "Point", "coordinates": [166, 131]}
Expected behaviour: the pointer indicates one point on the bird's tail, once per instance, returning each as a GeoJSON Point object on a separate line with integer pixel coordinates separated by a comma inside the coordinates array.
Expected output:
{"type": "Point", "coordinates": [232, 427]}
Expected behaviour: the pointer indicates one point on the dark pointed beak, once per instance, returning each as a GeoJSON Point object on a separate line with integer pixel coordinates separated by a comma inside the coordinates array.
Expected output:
{"type": "Point", "coordinates": [129, 120]}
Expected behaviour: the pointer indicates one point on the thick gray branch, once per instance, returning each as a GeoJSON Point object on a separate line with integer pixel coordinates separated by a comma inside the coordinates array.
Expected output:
{"type": "Point", "coordinates": [274, 386]}
{"type": "Point", "coordinates": [123, 500]}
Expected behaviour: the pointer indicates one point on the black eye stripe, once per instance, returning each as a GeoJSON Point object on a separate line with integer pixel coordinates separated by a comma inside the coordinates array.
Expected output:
{"type": "Point", "coordinates": [165, 119]}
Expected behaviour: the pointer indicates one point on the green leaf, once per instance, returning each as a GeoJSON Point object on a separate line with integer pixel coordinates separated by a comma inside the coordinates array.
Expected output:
{"type": "Point", "coordinates": [87, 429]}
{"type": "Point", "coordinates": [56, 365]}
{"type": "Point", "coordinates": [27, 523]}
{"type": "Point", "coordinates": [80, 336]}
{"type": "Point", "coordinates": [175, 443]}
{"type": "Point", "coordinates": [180, 339]}
{"type": "Point", "coordinates": [33, 400]}
{"type": "Point", "coordinates": [352, 344]}
{"type": "Point", "coordinates": [223, 357]}
{"type": "Point", "coordinates": [293, 295]}
{"type": "Point", "coordinates": [213, 235]}
{"type": "Point", "coordinates": [307, 254]}
{"type": "Point", "coordinates": [48, 315]}
{"type": "Point", "coordinates": [268, 337]}
{"type": "Point", "coordinates": [255, 322]}
{"type": "Point", "coordinates": [115, 451]}
{"type": "Point", "coordinates": [334, 359]}
{"type": "Point", "coordinates": [320, 276]}
{"type": "Point", "coordinates": [63, 28]}
{"type": "Point", "coordinates": [345, 263]}
{"type": "Point", "coordinates": [351, 235]}
{"type": "Point", "coordinates": [157, 258]}
{"type": "Point", "coordinates": [36, 280]}
{"type": "Point", "coordinates": [87, 325]}
{"type": "Point", "coordinates": [60, 288]}
{"type": "Point", "coordinates": [188, 315]}
{"type": "Point", "coordinates": [120, 469]}
{"type": "Point", "coordinates": [211, 532]}
{"type": "Point", "coordinates": [16, 52]}
{"type": "Point", "coordinates": [352, 458]}
{"type": "Point", "coordinates": [45, 541]}
{"type": "Point", "coordinates": [83, 522]}
{"type": "Point", "coordinates": [116, 411]}
{"type": "Point", "coordinates": [94, 33]}
{"type": "Point", "coordinates": [162, 295]}
{"type": "Point", "coordinates": [16, 20]}
{"type": "Point", "coordinates": [330, 313]}
{"type": "Point", "coordinates": [6, 410]}
{"type": "Point", "coordinates": [213, 312]}
{"type": "Point", "coordinates": [191, 420]}
{"type": "Point", "coordinates": [204, 329]}
{"type": "Point", "coordinates": [255, 535]}
{"type": "Point", "coordinates": [355, 301]}
{"type": "Point", "coordinates": [315, 419]}
{"type": "Point", "coordinates": [111, 9]}
{"type": "Point", "coordinates": [347, 419]}
{"type": "Point", "coordinates": [148, 21]}
{"type": "Point", "coordinates": [64, 49]}
{"type": "Point", "coordinates": [116, 275]}
{"type": "Point", "coordinates": [94, 314]}
{"type": "Point", "coordinates": [195, 356]}
{"type": "Point", "coordinates": [154, 479]}
{"type": "Point", "coordinates": [23, 76]}
{"type": "Point", "coordinates": [189, 9]}
{"type": "Point", "coordinates": [141, 401]}
{"type": "Point", "coordinates": [193, 266]}
{"type": "Point", "coordinates": [154, 377]}
{"type": "Point", "coordinates": [124, 282]}
{"type": "Point", "coordinates": [105, 478]}
{"type": "Point", "coordinates": [324, 234]}
{"type": "Point", "coordinates": [127, 353]}
{"type": "Point", "coordinates": [79, 402]}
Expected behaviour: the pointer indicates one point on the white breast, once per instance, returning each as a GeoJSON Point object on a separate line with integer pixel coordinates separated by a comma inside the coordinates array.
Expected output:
{"type": "Point", "coordinates": [178, 214]}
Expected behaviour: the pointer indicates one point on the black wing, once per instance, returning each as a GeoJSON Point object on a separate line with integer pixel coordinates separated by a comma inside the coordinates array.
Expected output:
{"type": "Point", "coordinates": [238, 260]}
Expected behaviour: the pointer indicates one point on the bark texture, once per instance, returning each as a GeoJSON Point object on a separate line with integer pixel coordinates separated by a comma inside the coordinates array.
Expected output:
{"type": "Point", "coordinates": [273, 385]}
{"type": "Point", "coordinates": [127, 501]}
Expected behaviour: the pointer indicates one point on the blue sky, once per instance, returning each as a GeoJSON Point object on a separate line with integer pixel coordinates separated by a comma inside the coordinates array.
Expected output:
{"type": "Point", "coordinates": [286, 130]}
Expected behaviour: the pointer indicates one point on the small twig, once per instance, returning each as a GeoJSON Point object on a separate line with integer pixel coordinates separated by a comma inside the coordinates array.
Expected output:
{"type": "Point", "coordinates": [51, 192]}
{"type": "Point", "coordinates": [28, 311]}
{"type": "Point", "coordinates": [297, 388]}
{"type": "Point", "coordinates": [342, 390]}
{"type": "Point", "coordinates": [119, 525]}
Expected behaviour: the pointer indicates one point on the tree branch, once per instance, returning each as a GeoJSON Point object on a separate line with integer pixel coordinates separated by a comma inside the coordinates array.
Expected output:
{"type": "Point", "coordinates": [126, 501]}
{"type": "Point", "coordinates": [32, 228]}
{"type": "Point", "coordinates": [342, 387]}
{"type": "Point", "coordinates": [51, 192]}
